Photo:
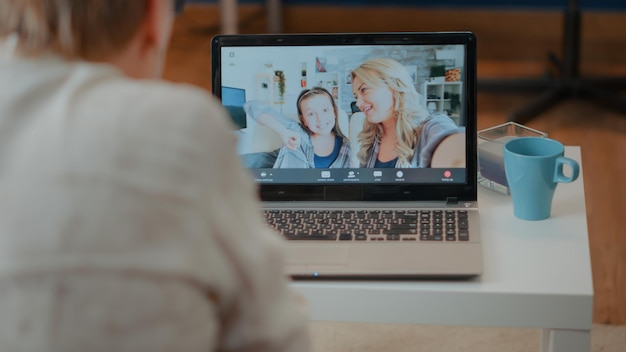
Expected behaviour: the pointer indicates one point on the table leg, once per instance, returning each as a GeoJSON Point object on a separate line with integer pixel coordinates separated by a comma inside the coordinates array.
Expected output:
{"type": "Point", "coordinates": [274, 16]}
{"type": "Point", "coordinates": [229, 20]}
{"type": "Point", "coordinates": [555, 340]}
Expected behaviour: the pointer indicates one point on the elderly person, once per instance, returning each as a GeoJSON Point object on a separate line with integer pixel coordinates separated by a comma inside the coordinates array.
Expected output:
{"type": "Point", "coordinates": [126, 220]}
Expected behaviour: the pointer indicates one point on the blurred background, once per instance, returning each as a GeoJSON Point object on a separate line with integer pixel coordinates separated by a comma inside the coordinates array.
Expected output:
{"type": "Point", "coordinates": [516, 40]}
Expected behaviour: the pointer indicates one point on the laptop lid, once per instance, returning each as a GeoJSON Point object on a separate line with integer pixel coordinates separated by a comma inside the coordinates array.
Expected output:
{"type": "Point", "coordinates": [274, 69]}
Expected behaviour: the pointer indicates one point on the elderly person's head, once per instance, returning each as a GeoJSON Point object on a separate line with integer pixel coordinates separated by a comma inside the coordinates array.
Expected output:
{"type": "Point", "coordinates": [131, 34]}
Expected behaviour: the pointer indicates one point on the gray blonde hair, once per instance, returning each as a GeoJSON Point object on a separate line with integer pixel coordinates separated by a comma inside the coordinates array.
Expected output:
{"type": "Point", "coordinates": [408, 109]}
{"type": "Point", "coordinates": [74, 29]}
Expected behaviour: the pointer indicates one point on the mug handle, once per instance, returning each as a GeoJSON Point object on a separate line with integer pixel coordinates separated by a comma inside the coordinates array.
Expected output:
{"type": "Point", "coordinates": [558, 171]}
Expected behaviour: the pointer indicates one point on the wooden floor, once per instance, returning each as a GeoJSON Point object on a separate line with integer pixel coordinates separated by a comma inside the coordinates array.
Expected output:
{"type": "Point", "coordinates": [510, 44]}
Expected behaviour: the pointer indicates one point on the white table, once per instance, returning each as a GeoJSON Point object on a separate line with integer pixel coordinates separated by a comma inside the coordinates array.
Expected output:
{"type": "Point", "coordinates": [537, 274]}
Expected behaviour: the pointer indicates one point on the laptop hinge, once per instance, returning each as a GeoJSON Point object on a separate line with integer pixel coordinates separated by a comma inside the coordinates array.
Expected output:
{"type": "Point", "coordinates": [452, 200]}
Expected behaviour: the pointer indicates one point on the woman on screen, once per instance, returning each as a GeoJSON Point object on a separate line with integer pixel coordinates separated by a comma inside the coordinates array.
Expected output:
{"type": "Point", "coordinates": [398, 131]}
{"type": "Point", "coordinates": [316, 141]}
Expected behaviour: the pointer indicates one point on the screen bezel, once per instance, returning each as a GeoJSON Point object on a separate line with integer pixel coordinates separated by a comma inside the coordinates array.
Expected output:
{"type": "Point", "coordinates": [370, 192]}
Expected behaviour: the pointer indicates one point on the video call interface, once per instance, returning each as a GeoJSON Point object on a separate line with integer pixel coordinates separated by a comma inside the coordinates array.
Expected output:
{"type": "Point", "coordinates": [272, 78]}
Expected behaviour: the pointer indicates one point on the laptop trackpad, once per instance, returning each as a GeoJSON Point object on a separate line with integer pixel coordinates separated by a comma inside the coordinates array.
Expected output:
{"type": "Point", "coordinates": [310, 253]}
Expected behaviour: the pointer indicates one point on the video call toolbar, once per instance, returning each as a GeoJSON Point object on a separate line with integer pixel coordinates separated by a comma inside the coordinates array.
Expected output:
{"type": "Point", "coordinates": [368, 176]}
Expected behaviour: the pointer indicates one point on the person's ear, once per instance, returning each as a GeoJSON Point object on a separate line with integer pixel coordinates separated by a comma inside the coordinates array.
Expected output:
{"type": "Point", "coordinates": [144, 56]}
{"type": "Point", "coordinates": [149, 25]}
{"type": "Point", "coordinates": [154, 36]}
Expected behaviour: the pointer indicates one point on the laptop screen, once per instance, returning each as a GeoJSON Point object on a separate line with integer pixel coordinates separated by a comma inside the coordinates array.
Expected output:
{"type": "Point", "coordinates": [375, 115]}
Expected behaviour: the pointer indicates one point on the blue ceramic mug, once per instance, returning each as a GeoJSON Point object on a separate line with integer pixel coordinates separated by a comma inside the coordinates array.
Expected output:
{"type": "Point", "coordinates": [533, 167]}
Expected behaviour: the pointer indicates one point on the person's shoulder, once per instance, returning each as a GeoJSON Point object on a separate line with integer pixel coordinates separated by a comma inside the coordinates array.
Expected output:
{"type": "Point", "coordinates": [109, 85]}
{"type": "Point", "coordinates": [154, 102]}
{"type": "Point", "coordinates": [146, 108]}
{"type": "Point", "coordinates": [155, 116]}
{"type": "Point", "coordinates": [438, 122]}
{"type": "Point", "coordinates": [162, 97]}
{"type": "Point", "coordinates": [438, 118]}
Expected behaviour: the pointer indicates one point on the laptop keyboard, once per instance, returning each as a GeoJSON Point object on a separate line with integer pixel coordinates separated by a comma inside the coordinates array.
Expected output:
{"type": "Point", "coordinates": [370, 225]}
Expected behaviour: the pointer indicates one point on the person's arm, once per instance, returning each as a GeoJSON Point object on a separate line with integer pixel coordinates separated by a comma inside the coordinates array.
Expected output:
{"type": "Point", "coordinates": [435, 130]}
{"type": "Point", "coordinates": [287, 129]}
{"type": "Point", "coordinates": [450, 152]}
{"type": "Point", "coordinates": [258, 311]}
{"type": "Point", "coordinates": [291, 139]}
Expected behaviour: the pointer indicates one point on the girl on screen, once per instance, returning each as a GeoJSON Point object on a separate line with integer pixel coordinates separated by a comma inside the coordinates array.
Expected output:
{"type": "Point", "coordinates": [398, 131]}
{"type": "Point", "coordinates": [315, 141]}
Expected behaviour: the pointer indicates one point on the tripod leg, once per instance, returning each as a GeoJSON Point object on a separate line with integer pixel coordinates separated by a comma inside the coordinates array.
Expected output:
{"type": "Point", "coordinates": [540, 104]}
{"type": "Point", "coordinates": [496, 85]}
{"type": "Point", "coordinates": [609, 99]}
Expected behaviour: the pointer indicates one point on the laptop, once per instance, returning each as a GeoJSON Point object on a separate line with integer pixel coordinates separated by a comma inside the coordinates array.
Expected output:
{"type": "Point", "coordinates": [367, 222]}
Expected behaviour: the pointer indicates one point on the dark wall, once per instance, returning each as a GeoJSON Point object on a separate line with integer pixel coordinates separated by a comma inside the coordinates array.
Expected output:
{"type": "Point", "coordinates": [493, 4]}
